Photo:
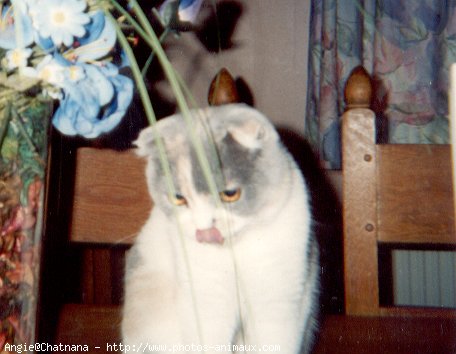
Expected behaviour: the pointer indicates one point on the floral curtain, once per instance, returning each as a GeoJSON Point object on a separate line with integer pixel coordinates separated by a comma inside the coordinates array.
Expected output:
{"type": "Point", "coordinates": [405, 45]}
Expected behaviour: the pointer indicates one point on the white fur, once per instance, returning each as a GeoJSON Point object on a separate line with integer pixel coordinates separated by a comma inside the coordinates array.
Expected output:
{"type": "Point", "coordinates": [185, 292]}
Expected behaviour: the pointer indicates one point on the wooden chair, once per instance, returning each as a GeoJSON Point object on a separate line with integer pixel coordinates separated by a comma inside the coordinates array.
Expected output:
{"type": "Point", "coordinates": [110, 205]}
{"type": "Point", "coordinates": [392, 194]}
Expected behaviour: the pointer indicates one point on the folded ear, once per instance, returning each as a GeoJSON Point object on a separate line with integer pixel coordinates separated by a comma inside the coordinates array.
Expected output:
{"type": "Point", "coordinates": [145, 142]}
{"type": "Point", "coordinates": [170, 129]}
{"type": "Point", "coordinates": [250, 128]}
{"type": "Point", "coordinates": [248, 133]}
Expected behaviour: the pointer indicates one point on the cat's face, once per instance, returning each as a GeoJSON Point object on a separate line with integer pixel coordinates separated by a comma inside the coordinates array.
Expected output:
{"type": "Point", "coordinates": [242, 151]}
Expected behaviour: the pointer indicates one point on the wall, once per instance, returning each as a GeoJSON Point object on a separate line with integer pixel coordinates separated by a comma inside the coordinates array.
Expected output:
{"type": "Point", "coordinates": [270, 43]}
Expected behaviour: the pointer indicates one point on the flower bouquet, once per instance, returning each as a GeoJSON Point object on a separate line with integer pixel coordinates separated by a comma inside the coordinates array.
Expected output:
{"type": "Point", "coordinates": [61, 62]}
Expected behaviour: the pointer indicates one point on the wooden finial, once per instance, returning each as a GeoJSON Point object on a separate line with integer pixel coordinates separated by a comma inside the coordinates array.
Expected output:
{"type": "Point", "coordinates": [358, 89]}
{"type": "Point", "coordinates": [222, 89]}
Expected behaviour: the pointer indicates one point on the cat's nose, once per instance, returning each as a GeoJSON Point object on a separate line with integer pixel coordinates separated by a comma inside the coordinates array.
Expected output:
{"type": "Point", "coordinates": [203, 216]}
{"type": "Point", "coordinates": [204, 223]}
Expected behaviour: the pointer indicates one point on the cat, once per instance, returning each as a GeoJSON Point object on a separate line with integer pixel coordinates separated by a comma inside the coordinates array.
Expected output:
{"type": "Point", "coordinates": [242, 271]}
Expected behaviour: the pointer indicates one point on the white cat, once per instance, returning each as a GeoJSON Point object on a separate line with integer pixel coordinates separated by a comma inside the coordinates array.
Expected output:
{"type": "Point", "coordinates": [204, 275]}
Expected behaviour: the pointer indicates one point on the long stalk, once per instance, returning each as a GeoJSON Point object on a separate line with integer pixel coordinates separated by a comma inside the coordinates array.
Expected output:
{"type": "Point", "coordinates": [152, 53]}
{"type": "Point", "coordinates": [162, 155]}
{"type": "Point", "coordinates": [173, 78]}
{"type": "Point", "coordinates": [145, 99]}
{"type": "Point", "coordinates": [147, 33]}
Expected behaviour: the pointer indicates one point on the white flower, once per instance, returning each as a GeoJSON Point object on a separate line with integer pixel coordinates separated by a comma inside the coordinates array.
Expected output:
{"type": "Point", "coordinates": [50, 71]}
{"type": "Point", "coordinates": [60, 20]}
{"type": "Point", "coordinates": [17, 58]}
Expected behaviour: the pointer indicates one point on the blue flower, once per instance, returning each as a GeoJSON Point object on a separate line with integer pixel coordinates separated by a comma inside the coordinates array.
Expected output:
{"type": "Point", "coordinates": [189, 9]}
{"type": "Point", "coordinates": [75, 38]}
{"type": "Point", "coordinates": [99, 40]}
{"type": "Point", "coordinates": [8, 33]}
{"type": "Point", "coordinates": [179, 15]}
{"type": "Point", "coordinates": [96, 104]}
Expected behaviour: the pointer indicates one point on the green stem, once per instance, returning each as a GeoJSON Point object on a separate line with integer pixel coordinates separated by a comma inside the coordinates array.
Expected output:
{"type": "Point", "coordinates": [162, 154]}
{"type": "Point", "coordinates": [145, 99]}
{"type": "Point", "coordinates": [145, 30]}
{"type": "Point", "coordinates": [152, 53]}
{"type": "Point", "coordinates": [153, 41]}
{"type": "Point", "coordinates": [5, 122]}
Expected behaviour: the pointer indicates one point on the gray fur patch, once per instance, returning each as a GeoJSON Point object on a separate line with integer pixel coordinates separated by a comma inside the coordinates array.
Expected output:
{"type": "Point", "coordinates": [233, 164]}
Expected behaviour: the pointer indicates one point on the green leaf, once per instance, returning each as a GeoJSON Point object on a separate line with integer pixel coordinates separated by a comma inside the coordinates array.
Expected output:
{"type": "Point", "coordinates": [18, 82]}
{"type": "Point", "coordinates": [9, 149]}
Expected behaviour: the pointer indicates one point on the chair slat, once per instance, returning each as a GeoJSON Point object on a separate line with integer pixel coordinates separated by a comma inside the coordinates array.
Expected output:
{"type": "Point", "coordinates": [111, 201]}
{"type": "Point", "coordinates": [415, 195]}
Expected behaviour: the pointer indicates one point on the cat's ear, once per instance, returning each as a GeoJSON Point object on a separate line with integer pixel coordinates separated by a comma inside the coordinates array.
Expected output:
{"type": "Point", "coordinates": [251, 129]}
{"type": "Point", "coordinates": [167, 129]}
{"type": "Point", "coordinates": [145, 142]}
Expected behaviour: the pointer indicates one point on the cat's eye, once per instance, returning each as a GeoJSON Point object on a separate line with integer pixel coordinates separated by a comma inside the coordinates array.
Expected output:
{"type": "Point", "coordinates": [178, 199]}
{"type": "Point", "coordinates": [230, 195]}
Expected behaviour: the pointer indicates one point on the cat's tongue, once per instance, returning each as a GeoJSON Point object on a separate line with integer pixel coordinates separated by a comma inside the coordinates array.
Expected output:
{"type": "Point", "coordinates": [211, 235]}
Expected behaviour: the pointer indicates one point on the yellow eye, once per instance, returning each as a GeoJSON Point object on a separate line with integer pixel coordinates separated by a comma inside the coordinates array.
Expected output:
{"type": "Point", "coordinates": [178, 200]}
{"type": "Point", "coordinates": [230, 195]}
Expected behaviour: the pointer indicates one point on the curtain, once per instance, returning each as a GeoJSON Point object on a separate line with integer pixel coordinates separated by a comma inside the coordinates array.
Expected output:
{"type": "Point", "coordinates": [406, 46]}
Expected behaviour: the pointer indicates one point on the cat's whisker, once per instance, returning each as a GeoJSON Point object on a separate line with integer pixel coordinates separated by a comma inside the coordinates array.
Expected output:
{"type": "Point", "coordinates": [126, 238]}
